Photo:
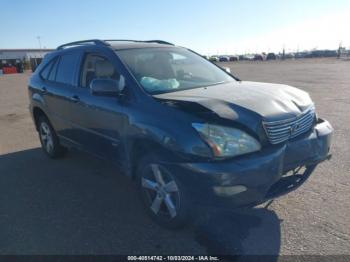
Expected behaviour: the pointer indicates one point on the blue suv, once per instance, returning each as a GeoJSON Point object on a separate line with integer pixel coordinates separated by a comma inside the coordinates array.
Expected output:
{"type": "Point", "coordinates": [187, 131]}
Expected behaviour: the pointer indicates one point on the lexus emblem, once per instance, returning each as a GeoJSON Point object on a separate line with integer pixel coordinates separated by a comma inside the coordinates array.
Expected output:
{"type": "Point", "coordinates": [294, 128]}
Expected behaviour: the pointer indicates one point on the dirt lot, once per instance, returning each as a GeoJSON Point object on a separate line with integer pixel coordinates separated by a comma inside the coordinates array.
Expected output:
{"type": "Point", "coordinates": [79, 205]}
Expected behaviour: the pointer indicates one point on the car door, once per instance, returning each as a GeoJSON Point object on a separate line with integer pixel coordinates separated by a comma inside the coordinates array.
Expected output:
{"type": "Point", "coordinates": [99, 119]}
{"type": "Point", "coordinates": [58, 89]}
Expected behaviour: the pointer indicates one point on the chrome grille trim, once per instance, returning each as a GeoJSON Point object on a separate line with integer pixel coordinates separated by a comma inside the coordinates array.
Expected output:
{"type": "Point", "coordinates": [280, 131]}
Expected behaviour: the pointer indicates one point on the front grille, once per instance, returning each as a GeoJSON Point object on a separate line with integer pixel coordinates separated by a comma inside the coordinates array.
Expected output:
{"type": "Point", "coordinates": [280, 131]}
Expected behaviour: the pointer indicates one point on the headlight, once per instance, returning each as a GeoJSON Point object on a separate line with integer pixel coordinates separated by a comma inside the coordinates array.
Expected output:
{"type": "Point", "coordinates": [227, 141]}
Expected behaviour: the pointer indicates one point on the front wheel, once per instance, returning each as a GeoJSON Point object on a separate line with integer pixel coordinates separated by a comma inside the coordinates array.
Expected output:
{"type": "Point", "coordinates": [162, 194]}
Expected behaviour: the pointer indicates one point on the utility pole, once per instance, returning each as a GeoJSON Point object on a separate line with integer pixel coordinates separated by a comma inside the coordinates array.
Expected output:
{"type": "Point", "coordinates": [339, 50]}
{"type": "Point", "coordinates": [38, 37]}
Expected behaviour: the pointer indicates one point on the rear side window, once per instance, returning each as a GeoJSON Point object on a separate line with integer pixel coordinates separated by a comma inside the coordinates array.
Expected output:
{"type": "Point", "coordinates": [67, 67]}
{"type": "Point", "coordinates": [52, 75]}
{"type": "Point", "coordinates": [47, 69]}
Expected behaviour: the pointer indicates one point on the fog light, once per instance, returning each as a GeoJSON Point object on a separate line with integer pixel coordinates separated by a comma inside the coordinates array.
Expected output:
{"type": "Point", "coordinates": [227, 191]}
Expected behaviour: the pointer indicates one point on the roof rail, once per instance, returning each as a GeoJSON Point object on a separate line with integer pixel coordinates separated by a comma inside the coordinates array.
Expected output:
{"type": "Point", "coordinates": [105, 42]}
{"type": "Point", "coordinates": [120, 40]}
{"type": "Point", "coordinates": [158, 42]}
{"type": "Point", "coordinates": [139, 41]}
{"type": "Point", "coordinates": [84, 42]}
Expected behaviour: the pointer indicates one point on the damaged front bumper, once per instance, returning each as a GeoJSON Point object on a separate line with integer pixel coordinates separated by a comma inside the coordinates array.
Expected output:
{"type": "Point", "coordinates": [252, 179]}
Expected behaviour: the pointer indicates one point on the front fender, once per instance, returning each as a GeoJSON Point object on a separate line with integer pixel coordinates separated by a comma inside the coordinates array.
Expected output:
{"type": "Point", "coordinates": [142, 138]}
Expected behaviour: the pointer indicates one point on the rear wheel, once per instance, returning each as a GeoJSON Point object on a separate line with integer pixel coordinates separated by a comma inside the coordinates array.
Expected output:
{"type": "Point", "coordinates": [49, 139]}
{"type": "Point", "coordinates": [162, 194]}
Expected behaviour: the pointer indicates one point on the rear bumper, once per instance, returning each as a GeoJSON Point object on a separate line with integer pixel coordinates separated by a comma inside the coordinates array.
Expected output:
{"type": "Point", "coordinates": [257, 177]}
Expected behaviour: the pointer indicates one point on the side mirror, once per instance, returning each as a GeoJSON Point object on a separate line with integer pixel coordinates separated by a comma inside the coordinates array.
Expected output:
{"type": "Point", "coordinates": [107, 87]}
{"type": "Point", "coordinates": [227, 69]}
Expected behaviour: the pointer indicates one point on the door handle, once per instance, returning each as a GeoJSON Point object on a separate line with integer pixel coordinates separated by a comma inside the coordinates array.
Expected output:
{"type": "Point", "coordinates": [75, 99]}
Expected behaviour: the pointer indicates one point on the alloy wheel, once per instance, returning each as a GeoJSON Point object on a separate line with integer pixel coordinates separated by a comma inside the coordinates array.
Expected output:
{"type": "Point", "coordinates": [46, 137]}
{"type": "Point", "coordinates": [162, 192]}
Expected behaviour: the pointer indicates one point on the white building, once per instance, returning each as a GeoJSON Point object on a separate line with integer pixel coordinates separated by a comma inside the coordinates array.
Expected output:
{"type": "Point", "coordinates": [31, 57]}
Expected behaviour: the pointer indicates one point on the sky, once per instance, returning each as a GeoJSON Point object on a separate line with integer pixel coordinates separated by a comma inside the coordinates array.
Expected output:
{"type": "Point", "coordinates": [209, 27]}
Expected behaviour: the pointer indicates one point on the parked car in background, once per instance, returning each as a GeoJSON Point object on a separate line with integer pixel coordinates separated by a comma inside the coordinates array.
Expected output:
{"type": "Point", "coordinates": [271, 56]}
{"type": "Point", "coordinates": [332, 53]}
{"type": "Point", "coordinates": [186, 131]}
{"type": "Point", "coordinates": [246, 57]}
{"type": "Point", "coordinates": [289, 56]}
{"type": "Point", "coordinates": [301, 55]}
{"type": "Point", "coordinates": [214, 59]}
{"type": "Point", "coordinates": [242, 58]}
{"type": "Point", "coordinates": [224, 58]}
{"type": "Point", "coordinates": [324, 53]}
{"type": "Point", "coordinates": [258, 57]}
{"type": "Point", "coordinates": [233, 58]}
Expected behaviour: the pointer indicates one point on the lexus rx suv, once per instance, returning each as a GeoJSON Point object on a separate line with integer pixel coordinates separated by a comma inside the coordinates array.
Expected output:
{"type": "Point", "coordinates": [188, 132]}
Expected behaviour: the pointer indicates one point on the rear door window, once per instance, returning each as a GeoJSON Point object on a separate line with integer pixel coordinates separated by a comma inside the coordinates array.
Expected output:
{"type": "Point", "coordinates": [67, 68]}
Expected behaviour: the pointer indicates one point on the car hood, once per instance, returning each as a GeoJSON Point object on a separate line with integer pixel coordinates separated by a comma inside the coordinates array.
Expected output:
{"type": "Point", "coordinates": [272, 102]}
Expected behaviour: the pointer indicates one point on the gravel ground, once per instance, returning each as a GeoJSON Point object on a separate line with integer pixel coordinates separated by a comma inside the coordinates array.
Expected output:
{"type": "Point", "coordinates": [80, 205]}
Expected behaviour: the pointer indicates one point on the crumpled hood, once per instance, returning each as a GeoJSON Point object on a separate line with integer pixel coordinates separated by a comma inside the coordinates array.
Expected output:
{"type": "Point", "coordinates": [271, 101]}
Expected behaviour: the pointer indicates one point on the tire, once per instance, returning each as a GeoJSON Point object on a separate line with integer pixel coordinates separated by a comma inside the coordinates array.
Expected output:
{"type": "Point", "coordinates": [49, 139]}
{"type": "Point", "coordinates": [162, 194]}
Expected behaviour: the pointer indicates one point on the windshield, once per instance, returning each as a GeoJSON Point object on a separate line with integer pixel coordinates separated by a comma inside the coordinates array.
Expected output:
{"type": "Point", "coordinates": [162, 70]}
